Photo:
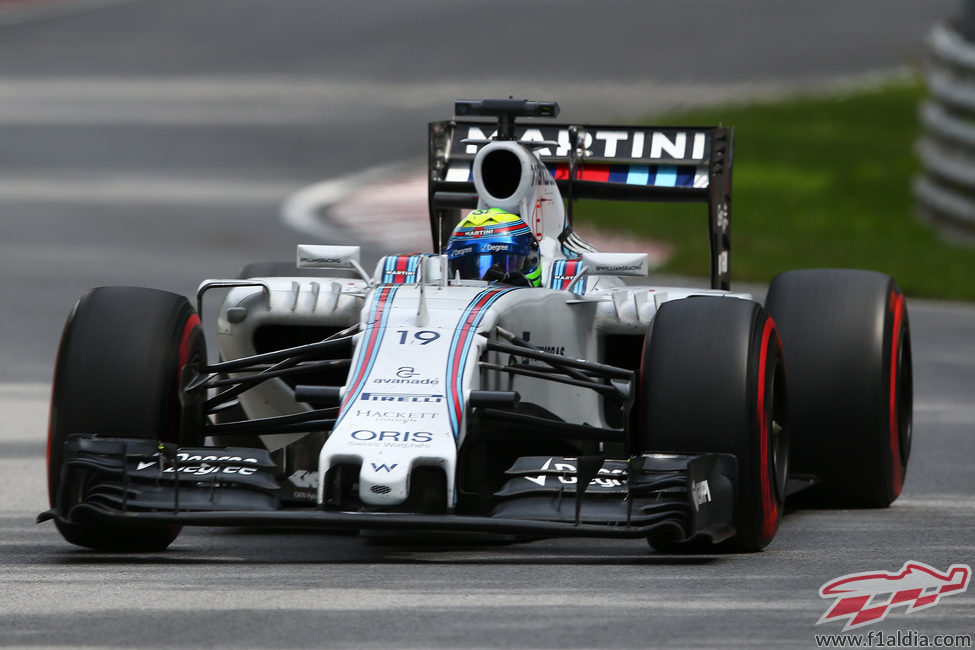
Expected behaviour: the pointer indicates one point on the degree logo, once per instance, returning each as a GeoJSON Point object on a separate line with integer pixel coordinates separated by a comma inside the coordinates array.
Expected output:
{"type": "Point", "coordinates": [865, 598]}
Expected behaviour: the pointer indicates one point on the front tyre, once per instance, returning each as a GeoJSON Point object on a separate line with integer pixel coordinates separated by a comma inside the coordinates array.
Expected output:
{"type": "Point", "coordinates": [118, 373]}
{"type": "Point", "coordinates": [712, 380]}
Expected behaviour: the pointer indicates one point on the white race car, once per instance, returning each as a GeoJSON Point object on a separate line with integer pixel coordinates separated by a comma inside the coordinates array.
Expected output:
{"type": "Point", "coordinates": [513, 381]}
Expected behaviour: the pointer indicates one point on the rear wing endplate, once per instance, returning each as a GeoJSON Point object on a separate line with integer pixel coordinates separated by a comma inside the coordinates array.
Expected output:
{"type": "Point", "coordinates": [626, 163]}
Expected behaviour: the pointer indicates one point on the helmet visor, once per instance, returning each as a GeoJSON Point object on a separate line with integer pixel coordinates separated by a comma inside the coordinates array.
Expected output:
{"type": "Point", "coordinates": [476, 266]}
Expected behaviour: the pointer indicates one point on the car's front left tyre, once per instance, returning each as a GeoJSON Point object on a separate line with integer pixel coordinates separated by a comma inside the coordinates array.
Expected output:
{"type": "Point", "coordinates": [713, 381]}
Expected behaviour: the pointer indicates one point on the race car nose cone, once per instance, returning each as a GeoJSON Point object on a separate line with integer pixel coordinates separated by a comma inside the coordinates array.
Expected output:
{"type": "Point", "coordinates": [383, 483]}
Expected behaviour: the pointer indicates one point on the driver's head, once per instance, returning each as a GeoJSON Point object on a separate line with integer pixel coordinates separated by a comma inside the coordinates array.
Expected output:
{"type": "Point", "coordinates": [494, 245]}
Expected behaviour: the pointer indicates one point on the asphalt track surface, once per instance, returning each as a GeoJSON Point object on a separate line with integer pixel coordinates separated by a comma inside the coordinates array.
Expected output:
{"type": "Point", "coordinates": [154, 143]}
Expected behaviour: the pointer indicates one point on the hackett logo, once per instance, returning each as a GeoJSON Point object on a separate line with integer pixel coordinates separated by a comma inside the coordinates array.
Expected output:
{"type": "Point", "coordinates": [865, 598]}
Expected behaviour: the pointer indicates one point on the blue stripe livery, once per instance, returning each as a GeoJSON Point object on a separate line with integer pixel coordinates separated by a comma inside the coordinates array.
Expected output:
{"type": "Point", "coordinates": [372, 338]}
{"type": "Point", "coordinates": [460, 348]}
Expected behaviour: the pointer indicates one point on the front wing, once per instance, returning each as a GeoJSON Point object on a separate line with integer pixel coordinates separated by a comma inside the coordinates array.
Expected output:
{"type": "Point", "coordinates": [133, 482]}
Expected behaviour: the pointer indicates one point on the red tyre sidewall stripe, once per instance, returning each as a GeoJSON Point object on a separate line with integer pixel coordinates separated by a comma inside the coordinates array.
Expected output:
{"type": "Point", "coordinates": [185, 342]}
{"type": "Point", "coordinates": [185, 350]}
{"type": "Point", "coordinates": [769, 507]}
{"type": "Point", "coordinates": [897, 475]}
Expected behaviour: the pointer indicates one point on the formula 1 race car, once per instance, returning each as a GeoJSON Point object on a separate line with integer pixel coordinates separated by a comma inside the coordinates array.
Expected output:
{"type": "Point", "coordinates": [527, 388]}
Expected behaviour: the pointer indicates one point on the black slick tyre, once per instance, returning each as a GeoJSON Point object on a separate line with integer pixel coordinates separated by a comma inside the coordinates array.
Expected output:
{"type": "Point", "coordinates": [712, 380]}
{"type": "Point", "coordinates": [847, 346]}
{"type": "Point", "coordinates": [117, 374]}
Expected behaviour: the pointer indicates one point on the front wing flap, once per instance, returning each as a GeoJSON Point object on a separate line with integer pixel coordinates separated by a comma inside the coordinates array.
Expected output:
{"type": "Point", "coordinates": [137, 475]}
{"type": "Point", "coordinates": [695, 492]}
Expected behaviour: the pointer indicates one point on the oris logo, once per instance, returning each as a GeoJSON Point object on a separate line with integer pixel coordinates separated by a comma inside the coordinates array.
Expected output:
{"type": "Point", "coordinates": [365, 435]}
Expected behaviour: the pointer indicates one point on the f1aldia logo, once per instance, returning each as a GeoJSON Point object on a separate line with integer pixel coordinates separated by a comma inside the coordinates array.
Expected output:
{"type": "Point", "coordinates": [865, 598]}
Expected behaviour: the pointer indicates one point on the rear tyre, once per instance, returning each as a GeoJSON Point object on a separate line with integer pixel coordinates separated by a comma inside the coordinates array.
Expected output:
{"type": "Point", "coordinates": [847, 343]}
{"type": "Point", "coordinates": [712, 380]}
{"type": "Point", "coordinates": [118, 374]}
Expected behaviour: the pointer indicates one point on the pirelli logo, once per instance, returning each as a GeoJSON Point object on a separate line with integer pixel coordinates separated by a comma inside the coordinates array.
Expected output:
{"type": "Point", "coordinates": [401, 397]}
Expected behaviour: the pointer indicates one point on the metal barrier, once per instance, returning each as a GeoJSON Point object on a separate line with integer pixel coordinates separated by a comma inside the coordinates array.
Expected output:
{"type": "Point", "coordinates": [945, 190]}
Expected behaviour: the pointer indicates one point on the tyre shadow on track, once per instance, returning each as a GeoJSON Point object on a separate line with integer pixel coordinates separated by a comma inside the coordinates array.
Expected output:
{"type": "Point", "coordinates": [27, 543]}
{"type": "Point", "coordinates": [551, 560]}
{"type": "Point", "coordinates": [276, 549]}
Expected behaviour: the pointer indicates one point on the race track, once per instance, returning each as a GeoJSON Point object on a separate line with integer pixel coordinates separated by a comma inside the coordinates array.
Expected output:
{"type": "Point", "coordinates": [153, 142]}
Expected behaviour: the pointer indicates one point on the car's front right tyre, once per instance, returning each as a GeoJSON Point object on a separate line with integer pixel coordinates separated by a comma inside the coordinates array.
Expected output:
{"type": "Point", "coordinates": [118, 374]}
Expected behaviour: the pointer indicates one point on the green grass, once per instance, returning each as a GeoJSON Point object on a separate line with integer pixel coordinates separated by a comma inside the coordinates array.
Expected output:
{"type": "Point", "coordinates": [822, 182]}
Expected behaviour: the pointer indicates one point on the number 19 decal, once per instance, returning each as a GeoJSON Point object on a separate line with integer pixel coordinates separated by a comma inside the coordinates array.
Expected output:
{"type": "Point", "coordinates": [421, 337]}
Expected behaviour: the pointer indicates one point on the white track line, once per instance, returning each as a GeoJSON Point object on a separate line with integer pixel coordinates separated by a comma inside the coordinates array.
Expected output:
{"type": "Point", "coordinates": [387, 206]}
{"type": "Point", "coordinates": [304, 210]}
{"type": "Point", "coordinates": [26, 11]}
{"type": "Point", "coordinates": [204, 100]}
{"type": "Point", "coordinates": [120, 188]}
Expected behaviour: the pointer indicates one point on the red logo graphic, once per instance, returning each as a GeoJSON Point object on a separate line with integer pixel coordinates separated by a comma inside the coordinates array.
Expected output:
{"type": "Point", "coordinates": [865, 598]}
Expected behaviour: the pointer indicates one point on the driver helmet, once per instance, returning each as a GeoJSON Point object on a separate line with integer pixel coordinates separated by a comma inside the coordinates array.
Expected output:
{"type": "Point", "coordinates": [494, 244]}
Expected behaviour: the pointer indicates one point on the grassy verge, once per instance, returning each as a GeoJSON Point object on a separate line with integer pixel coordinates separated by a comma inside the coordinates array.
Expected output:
{"type": "Point", "coordinates": [817, 183]}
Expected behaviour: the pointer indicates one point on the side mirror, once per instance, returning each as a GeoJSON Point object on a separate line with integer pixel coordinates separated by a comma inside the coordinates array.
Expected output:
{"type": "Point", "coordinates": [314, 256]}
{"type": "Point", "coordinates": [634, 264]}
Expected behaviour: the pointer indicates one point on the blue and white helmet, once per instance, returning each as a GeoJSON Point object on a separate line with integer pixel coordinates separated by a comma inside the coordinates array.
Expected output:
{"type": "Point", "coordinates": [494, 245]}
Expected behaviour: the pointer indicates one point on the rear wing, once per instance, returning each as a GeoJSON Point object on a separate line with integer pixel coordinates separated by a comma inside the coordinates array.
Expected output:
{"type": "Point", "coordinates": [627, 163]}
